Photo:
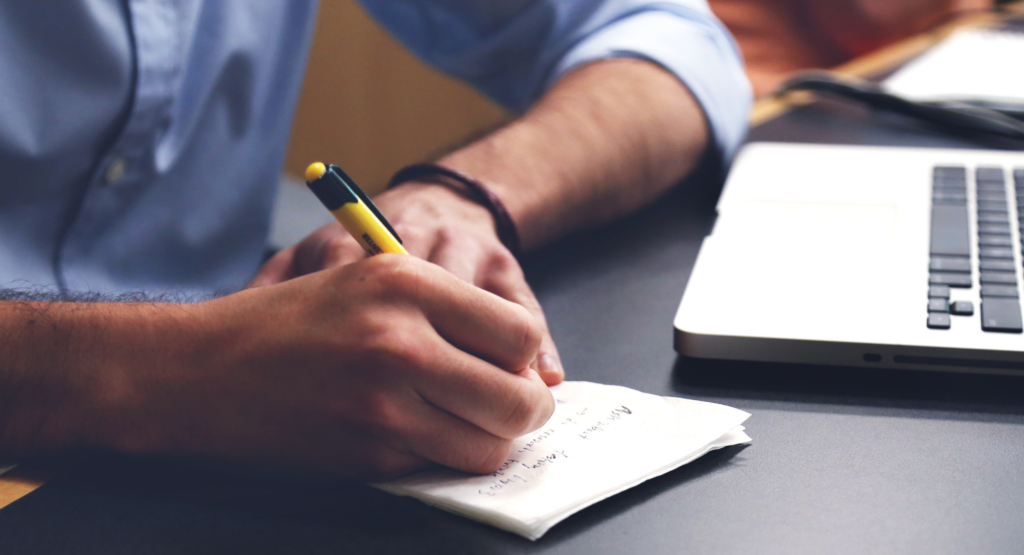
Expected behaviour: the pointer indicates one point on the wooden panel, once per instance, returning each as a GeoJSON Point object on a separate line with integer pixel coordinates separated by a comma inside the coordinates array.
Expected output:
{"type": "Point", "coordinates": [371, 107]}
{"type": "Point", "coordinates": [21, 481]}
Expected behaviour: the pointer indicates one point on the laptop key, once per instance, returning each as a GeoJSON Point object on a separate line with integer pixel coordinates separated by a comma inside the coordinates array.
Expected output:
{"type": "Point", "coordinates": [988, 174]}
{"type": "Point", "coordinates": [962, 308]}
{"type": "Point", "coordinates": [983, 195]}
{"type": "Point", "coordinates": [950, 171]}
{"type": "Point", "coordinates": [987, 229]}
{"type": "Point", "coordinates": [995, 241]}
{"type": "Point", "coordinates": [938, 291]}
{"type": "Point", "coordinates": [950, 232]}
{"type": "Point", "coordinates": [938, 305]}
{"type": "Point", "coordinates": [1009, 291]}
{"type": "Point", "coordinates": [993, 206]}
{"type": "Point", "coordinates": [950, 187]}
{"type": "Point", "coordinates": [1001, 315]}
{"type": "Point", "coordinates": [1018, 176]}
{"type": "Point", "coordinates": [988, 217]}
{"type": "Point", "coordinates": [950, 264]}
{"type": "Point", "coordinates": [998, 278]}
{"type": "Point", "coordinates": [938, 320]}
{"type": "Point", "coordinates": [952, 280]}
{"type": "Point", "coordinates": [955, 200]}
{"type": "Point", "coordinates": [995, 265]}
{"type": "Point", "coordinates": [995, 252]}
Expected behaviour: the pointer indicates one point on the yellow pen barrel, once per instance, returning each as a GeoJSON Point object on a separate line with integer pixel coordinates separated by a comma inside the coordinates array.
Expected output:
{"type": "Point", "coordinates": [368, 231]}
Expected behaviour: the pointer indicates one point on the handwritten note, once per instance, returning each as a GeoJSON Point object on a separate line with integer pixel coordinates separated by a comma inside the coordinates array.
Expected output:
{"type": "Point", "coordinates": [601, 440]}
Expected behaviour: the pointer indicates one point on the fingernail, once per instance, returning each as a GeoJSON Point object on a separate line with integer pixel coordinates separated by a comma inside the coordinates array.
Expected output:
{"type": "Point", "coordinates": [546, 364]}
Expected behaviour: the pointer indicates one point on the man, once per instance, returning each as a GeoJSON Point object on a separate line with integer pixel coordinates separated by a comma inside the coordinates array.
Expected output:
{"type": "Point", "coordinates": [140, 144]}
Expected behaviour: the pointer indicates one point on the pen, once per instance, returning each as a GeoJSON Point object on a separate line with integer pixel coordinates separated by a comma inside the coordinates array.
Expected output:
{"type": "Point", "coordinates": [353, 209]}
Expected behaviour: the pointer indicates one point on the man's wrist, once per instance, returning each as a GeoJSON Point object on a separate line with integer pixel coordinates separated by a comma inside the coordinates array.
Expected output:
{"type": "Point", "coordinates": [473, 189]}
{"type": "Point", "coordinates": [448, 204]}
{"type": "Point", "coordinates": [74, 372]}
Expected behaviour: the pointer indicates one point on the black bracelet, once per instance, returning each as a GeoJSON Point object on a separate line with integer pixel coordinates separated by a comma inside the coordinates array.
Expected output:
{"type": "Point", "coordinates": [506, 228]}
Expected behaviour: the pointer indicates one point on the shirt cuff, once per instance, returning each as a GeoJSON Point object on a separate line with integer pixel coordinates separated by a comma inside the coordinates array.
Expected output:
{"type": "Point", "coordinates": [696, 48]}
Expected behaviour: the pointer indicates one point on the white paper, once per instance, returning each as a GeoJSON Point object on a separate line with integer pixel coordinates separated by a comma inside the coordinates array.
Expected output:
{"type": "Point", "coordinates": [980, 65]}
{"type": "Point", "coordinates": [601, 440]}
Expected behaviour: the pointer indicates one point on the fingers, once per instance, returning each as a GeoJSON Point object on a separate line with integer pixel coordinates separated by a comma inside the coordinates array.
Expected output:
{"type": "Point", "coordinates": [443, 438]}
{"type": "Point", "coordinates": [460, 257]}
{"type": "Point", "coordinates": [504, 404]}
{"type": "Point", "coordinates": [481, 323]}
{"type": "Point", "coordinates": [504, 278]}
{"type": "Point", "coordinates": [466, 316]}
{"type": "Point", "coordinates": [328, 247]}
{"type": "Point", "coordinates": [276, 270]}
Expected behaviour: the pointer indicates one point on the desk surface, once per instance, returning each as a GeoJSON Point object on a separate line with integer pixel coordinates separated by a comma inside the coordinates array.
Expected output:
{"type": "Point", "coordinates": [843, 461]}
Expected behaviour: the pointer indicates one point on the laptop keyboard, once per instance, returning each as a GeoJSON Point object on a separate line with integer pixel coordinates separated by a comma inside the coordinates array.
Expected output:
{"type": "Point", "coordinates": [951, 267]}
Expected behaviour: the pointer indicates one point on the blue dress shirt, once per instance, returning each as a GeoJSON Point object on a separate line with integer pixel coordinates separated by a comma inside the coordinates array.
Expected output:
{"type": "Point", "coordinates": [141, 140]}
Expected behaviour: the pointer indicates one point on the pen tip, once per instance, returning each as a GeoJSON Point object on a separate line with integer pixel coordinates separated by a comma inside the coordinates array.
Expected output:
{"type": "Point", "coordinates": [315, 171]}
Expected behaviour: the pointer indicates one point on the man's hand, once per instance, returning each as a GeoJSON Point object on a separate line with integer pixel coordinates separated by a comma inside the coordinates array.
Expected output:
{"type": "Point", "coordinates": [371, 370]}
{"type": "Point", "coordinates": [439, 225]}
{"type": "Point", "coordinates": [608, 138]}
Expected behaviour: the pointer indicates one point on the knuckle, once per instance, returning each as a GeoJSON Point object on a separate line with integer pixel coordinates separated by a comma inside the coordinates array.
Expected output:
{"type": "Point", "coordinates": [523, 413]}
{"type": "Point", "coordinates": [531, 334]}
{"type": "Point", "coordinates": [331, 251]}
{"type": "Point", "coordinates": [447, 234]}
{"type": "Point", "coordinates": [381, 415]}
{"type": "Point", "coordinates": [372, 330]}
{"type": "Point", "coordinates": [502, 261]}
{"type": "Point", "coordinates": [395, 273]}
{"type": "Point", "coordinates": [394, 348]}
{"type": "Point", "coordinates": [490, 460]}
{"type": "Point", "coordinates": [410, 233]}
{"type": "Point", "coordinates": [336, 243]}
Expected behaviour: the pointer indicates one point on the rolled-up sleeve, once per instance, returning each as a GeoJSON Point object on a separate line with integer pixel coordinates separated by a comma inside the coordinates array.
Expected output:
{"type": "Point", "coordinates": [513, 50]}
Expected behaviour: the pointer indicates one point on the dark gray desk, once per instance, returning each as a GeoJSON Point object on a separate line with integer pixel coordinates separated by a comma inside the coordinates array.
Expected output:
{"type": "Point", "coordinates": [843, 461]}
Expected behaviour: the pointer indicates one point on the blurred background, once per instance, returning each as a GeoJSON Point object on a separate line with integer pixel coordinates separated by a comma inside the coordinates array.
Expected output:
{"type": "Point", "coordinates": [371, 107]}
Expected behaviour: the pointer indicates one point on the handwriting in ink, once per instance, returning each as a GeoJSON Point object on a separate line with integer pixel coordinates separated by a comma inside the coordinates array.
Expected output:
{"type": "Point", "coordinates": [569, 420]}
{"type": "Point", "coordinates": [600, 425]}
{"type": "Point", "coordinates": [546, 460]}
{"type": "Point", "coordinates": [619, 413]}
{"type": "Point", "coordinates": [504, 467]}
{"type": "Point", "coordinates": [536, 439]}
{"type": "Point", "coordinates": [499, 484]}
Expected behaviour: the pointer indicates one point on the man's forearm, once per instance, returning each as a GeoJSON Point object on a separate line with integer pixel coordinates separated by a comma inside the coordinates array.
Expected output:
{"type": "Point", "coordinates": [64, 365]}
{"type": "Point", "coordinates": [608, 138]}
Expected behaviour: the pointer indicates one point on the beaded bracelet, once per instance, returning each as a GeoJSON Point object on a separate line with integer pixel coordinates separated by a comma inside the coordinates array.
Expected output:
{"type": "Point", "coordinates": [506, 228]}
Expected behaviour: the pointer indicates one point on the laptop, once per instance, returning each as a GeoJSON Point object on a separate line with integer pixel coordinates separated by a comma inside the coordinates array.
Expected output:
{"type": "Point", "coordinates": [862, 256]}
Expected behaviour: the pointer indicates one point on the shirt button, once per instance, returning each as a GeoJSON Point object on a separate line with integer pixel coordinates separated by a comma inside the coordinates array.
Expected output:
{"type": "Point", "coordinates": [115, 171]}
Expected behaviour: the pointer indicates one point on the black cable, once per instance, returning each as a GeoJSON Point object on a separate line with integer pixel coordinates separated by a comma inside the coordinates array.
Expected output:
{"type": "Point", "coordinates": [974, 118]}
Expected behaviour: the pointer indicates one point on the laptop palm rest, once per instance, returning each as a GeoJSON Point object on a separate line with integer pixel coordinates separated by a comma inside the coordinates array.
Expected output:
{"type": "Point", "coordinates": [801, 263]}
